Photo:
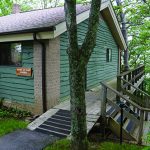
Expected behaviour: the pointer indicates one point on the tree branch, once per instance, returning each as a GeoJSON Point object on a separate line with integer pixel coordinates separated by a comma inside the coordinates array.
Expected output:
{"type": "Point", "coordinates": [71, 23]}
{"type": "Point", "coordinates": [90, 38]}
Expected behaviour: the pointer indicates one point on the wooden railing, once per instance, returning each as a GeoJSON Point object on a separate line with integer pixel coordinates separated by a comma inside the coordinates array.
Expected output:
{"type": "Point", "coordinates": [141, 98]}
{"type": "Point", "coordinates": [142, 110]}
{"type": "Point", "coordinates": [131, 76]}
{"type": "Point", "coordinates": [130, 83]}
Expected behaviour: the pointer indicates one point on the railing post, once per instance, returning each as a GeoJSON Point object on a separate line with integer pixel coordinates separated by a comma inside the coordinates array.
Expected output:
{"type": "Point", "coordinates": [121, 122]}
{"type": "Point", "coordinates": [103, 108]}
{"type": "Point", "coordinates": [133, 74]}
{"type": "Point", "coordinates": [136, 72]}
{"type": "Point", "coordinates": [141, 127]}
{"type": "Point", "coordinates": [125, 78]}
{"type": "Point", "coordinates": [129, 78]}
{"type": "Point", "coordinates": [147, 104]}
{"type": "Point", "coordinates": [118, 87]}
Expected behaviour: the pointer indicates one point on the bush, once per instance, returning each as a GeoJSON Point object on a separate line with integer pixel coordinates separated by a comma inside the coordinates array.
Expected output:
{"type": "Point", "coordinates": [13, 113]}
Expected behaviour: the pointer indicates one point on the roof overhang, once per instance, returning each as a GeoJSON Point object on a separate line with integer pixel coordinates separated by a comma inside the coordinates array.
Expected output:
{"type": "Point", "coordinates": [52, 32]}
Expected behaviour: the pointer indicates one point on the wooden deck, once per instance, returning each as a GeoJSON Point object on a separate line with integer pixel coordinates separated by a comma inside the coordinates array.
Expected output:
{"type": "Point", "coordinates": [92, 111]}
{"type": "Point", "coordinates": [57, 120]}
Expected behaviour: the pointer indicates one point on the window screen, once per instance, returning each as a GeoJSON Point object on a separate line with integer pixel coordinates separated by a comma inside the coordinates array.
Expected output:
{"type": "Point", "coordinates": [10, 54]}
{"type": "Point", "coordinates": [108, 55]}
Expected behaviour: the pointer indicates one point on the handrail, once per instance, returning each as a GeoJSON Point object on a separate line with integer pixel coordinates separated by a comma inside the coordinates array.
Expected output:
{"type": "Point", "coordinates": [127, 72]}
{"type": "Point", "coordinates": [131, 102]}
{"type": "Point", "coordinates": [135, 87]}
{"type": "Point", "coordinates": [134, 78]}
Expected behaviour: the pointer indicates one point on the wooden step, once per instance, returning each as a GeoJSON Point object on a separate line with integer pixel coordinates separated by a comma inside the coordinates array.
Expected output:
{"type": "Point", "coordinates": [115, 128]}
{"type": "Point", "coordinates": [110, 110]}
{"type": "Point", "coordinates": [130, 121]}
{"type": "Point", "coordinates": [130, 127]}
{"type": "Point", "coordinates": [136, 132]}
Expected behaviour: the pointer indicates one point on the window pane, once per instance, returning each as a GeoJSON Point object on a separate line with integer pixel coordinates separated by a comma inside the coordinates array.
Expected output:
{"type": "Point", "coordinates": [10, 54]}
{"type": "Point", "coordinates": [16, 54]}
{"type": "Point", "coordinates": [108, 55]}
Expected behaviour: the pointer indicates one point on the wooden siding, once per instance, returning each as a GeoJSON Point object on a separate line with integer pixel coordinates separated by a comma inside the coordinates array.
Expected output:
{"type": "Point", "coordinates": [98, 69]}
{"type": "Point", "coordinates": [15, 88]}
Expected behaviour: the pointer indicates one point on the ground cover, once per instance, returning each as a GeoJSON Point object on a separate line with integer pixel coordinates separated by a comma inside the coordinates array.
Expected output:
{"type": "Point", "coordinates": [65, 145]}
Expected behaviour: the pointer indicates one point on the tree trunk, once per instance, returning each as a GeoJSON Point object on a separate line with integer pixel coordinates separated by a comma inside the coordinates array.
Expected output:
{"type": "Point", "coordinates": [78, 59]}
{"type": "Point", "coordinates": [124, 32]}
{"type": "Point", "coordinates": [78, 105]}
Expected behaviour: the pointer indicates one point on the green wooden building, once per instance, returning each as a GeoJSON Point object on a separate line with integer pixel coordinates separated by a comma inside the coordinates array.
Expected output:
{"type": "Point", "coordinates": [34, 66]}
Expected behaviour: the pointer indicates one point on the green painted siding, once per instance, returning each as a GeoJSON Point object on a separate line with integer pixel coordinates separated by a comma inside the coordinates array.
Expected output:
{"type": "Point", "coordinates": [15, 88]}
{"type": "Point", "coordinates": [64, 66]}
{"type": "Point", "coordinates": [98, 69]}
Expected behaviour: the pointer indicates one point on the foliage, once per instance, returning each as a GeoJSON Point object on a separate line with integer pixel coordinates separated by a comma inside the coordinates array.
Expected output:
{"type": "Point", "coordinates": [9, 125]}
{"type": "Point", "coordinates": [117, 146]}
{"type": "Point", "coordinates": [59, 145]}
{"type": "Point", "coordinates": [27, 5]}
{"type": "Point", "coordinates": [5, 7]}
{"type": "Point", "coordinates": [138, 25]}
{"type": "Point", "coordinates": [147, 85]}
{"type": "Point", "coordinates": [137, 14]}
{"type": "Point", "coordinates": [147, 138]}
{"type": "Point", "coordinates": [37, 4]}
{"type": "Point", "coordinates": [13, 112]}
{"type": "Point", "coordinates": [65, 145]}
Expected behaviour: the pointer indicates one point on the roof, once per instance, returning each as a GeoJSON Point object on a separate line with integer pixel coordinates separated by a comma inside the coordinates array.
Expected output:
{"type": "Point", "coordinates": [35, 19]}
{"type": "Point", "coordinates": [50, 19]}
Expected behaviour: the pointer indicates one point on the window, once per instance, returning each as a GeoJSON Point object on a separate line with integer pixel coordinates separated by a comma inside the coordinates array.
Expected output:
{"type": "Point", "coordinates": [108, 55]}
{"type": "Point", "coordinates": [10, 54]}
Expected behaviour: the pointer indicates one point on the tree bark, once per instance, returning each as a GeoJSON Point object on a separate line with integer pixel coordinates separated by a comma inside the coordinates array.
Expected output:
{"type": "Point", "coordinates": [78, 105]}
{"type": "Point", "coordinates": [78, 59]}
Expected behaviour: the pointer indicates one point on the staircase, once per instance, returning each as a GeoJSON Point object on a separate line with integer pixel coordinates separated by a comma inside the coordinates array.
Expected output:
{"type": "Point", "coordinates": [135, 102]}
{"type": "Point", "coordinates": [130, 121]}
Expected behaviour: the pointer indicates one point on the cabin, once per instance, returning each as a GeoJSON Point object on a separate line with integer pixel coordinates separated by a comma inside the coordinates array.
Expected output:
{"type": "Point", "coordinates": [34, 74]}
{"type": "Point", "coordinates": [34, 66]}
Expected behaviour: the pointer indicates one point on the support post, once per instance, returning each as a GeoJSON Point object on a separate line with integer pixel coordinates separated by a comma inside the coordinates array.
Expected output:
{"type": "Point", "coordinates": [118, 88]}
{"type": "Point", "coordinates": [141, 127]}
{"type": "Point", "coordinates": [129, 78]}
{"type": "Point", "coordinates": [146, 99]}
{"type": "Point", "coordinates": [121, 124]}
{"type": "Point", "coordinates": [103, 109]}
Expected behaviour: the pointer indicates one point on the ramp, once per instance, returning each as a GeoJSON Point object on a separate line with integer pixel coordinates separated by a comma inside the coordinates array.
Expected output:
{"type": "Point", "coordinates": [57, 121]}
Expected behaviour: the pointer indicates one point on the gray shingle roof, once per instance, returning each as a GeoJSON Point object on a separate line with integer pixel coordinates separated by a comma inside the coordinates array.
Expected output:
{"type": "Point", "coordinates": [35, 19]}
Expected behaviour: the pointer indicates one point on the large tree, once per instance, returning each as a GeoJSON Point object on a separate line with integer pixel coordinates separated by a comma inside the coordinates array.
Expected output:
{"type": "Point", "coordinates": [134, 19]}
{"type": "Point", "coordinates": [78, 60]}
{"type": "Point", "coordinates": [124, 32]}
{"type": "Point", "coordinates": [137, 23]}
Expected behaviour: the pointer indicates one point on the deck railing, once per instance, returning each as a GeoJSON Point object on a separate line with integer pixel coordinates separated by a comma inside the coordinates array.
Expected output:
{"type": "Point", "coordinates": [142, 110]}
{"type": "Point", "coordinates": [130, 83]}
{"type": "Point", "coordinates": [131, 76]}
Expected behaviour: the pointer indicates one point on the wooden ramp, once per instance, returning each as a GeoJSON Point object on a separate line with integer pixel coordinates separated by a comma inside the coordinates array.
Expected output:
{"type": "Point", "coordinates": [57, 121]}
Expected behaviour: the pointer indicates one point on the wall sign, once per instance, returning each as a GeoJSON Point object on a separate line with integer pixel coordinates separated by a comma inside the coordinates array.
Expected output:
{"type": "Point", "coordinates": [27, 72]}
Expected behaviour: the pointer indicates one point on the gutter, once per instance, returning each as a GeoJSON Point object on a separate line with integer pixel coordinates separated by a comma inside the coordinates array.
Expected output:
{"type": "Point", "coordinates": [33, 30]}
{"type": "Point", "coordinates": [43, 71]}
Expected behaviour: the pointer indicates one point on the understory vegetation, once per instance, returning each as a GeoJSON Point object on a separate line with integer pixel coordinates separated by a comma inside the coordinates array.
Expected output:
{"type": "Point", "coordinates": [65, 145]}
{"type": "Point", "coordinates": [6, 112]}
{"type": "Point", "coordinates": [12, 119]}
{"type": "Point", "coordinates": [11, 124]}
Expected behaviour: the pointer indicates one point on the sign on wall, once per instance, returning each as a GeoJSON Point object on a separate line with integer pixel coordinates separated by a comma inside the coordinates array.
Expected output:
{"type": "Point", "coordinates": [24, 72]}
